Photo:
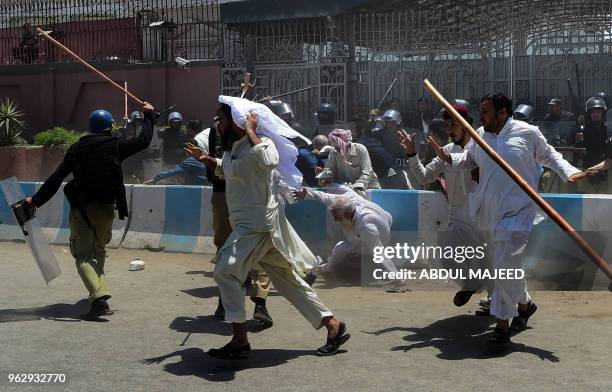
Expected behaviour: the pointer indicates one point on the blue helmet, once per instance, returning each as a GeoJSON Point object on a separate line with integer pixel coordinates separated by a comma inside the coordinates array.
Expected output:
{"type": "Point", "coordinates": [326, 113]}
{"type": "Point", "coordinates": [100, 121]}
{"type": "Point", "coordinates": [175, 116]}
{"type": "Point", "coordinates": [327, 107]}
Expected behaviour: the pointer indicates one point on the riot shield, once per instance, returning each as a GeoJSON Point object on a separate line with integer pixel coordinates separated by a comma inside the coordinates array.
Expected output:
{"type": "Point", "coordinates": [25, 216]}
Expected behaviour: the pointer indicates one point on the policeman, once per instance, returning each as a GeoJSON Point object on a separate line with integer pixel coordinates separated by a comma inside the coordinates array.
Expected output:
{"type": "Point", "coordinates": [327, 118]}
{"type": "Point", "coordinates": [173, 141]}
{"type": "Point", "coordinates": [399, 176]}
{"type": "Point", "coordinates": [137, 118]}
{"type": "Point", "coordinates": [524, 112]}
{"type": "Point", "coordinates": [94, 193]}
{"type": "Point", "coordinates": [133, 167]}
{"type": "Point", "coordinates": [556, 112]}
{"type": "Point", "coordinates": [285, 112]}
{"type": "Point", "coordinates": [593, 138]}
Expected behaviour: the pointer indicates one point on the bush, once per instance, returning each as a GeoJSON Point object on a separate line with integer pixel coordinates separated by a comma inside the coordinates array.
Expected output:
{"type": "Point", "coordinates": [57, 137]}
{"type": "Point", "coordinates": [11, 124]}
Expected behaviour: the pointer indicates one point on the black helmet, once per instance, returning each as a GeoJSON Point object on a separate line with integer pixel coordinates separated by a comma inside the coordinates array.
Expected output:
{"type": "Point", "coordinates": [281, 109]}
{"type": "Point", "coordinates": [603, 96]}
{"type": "Point", "coordinates": [327, 113]}
{"type": "Point", "coordinates": [595, 103]}
{"type": "Point", "coordinates": [136, 116]}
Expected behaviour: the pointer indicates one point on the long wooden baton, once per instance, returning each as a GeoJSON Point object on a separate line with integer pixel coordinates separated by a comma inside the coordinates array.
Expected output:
{"type": "Point", "coordinates": [86, 64]}
{"type": "Point", "coordinates": [535, 196]}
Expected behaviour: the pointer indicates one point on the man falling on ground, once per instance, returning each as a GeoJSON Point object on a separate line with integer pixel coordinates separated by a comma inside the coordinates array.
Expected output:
{"type": "Point", "coordinates": [261, 237]}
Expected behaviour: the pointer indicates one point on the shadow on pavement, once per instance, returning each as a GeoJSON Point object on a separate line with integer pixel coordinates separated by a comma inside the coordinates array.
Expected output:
{"type": "Point", "coordinates": [57, 312]}
{"type": "Point", "coordinates": [209, 324]}
{"type": "Point", "coordinates": [195, 362]}
{"type": "Point", "coordinates": [461, 337]}
{"type": "Point", "coordinates": [203, 292]}
{"type": "Point", "coordinates": [213, 292]}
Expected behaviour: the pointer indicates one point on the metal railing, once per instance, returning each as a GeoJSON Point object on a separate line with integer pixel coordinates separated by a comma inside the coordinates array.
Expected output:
{"type": "Point", "coordinates": [129, 31]}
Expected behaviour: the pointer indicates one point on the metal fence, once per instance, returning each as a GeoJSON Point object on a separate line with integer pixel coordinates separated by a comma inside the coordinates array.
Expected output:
{"type": "Point", "coordinates": [524, 48]}
{"type": "Point", "coordinates": [129, 31]}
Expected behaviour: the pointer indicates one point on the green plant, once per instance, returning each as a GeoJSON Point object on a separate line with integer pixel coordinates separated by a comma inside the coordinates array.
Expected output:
{"type": "Point", "coordinates": [11, 124]}
{"type": "Point", "coordinates": [57, 137]}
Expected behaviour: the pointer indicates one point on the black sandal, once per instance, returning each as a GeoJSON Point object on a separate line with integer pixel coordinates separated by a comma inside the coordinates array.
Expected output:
{"type": "Point", "coordinates": [333, 344]}
{"type": "Point", "coordinates": [499, 337]}
{"type": "Point", "coordinates": [519, 323]}
{"type": "Point", "coordinates": [230, 352]}
{"type": "Point", "coordinates": [462, 297]}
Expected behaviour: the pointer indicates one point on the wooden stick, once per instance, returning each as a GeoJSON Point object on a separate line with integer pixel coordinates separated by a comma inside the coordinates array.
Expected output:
{"type": "Point", "coordinates": [125, 101]}
{"type": "Point", "coordinates": [86, 64]}
{"type": "Point", "coordinates": [535, 196]}
{"type": "Point", "coordinates": [246, 85]}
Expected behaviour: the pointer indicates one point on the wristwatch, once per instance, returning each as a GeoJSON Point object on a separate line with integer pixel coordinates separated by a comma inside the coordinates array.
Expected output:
{"type": "Point", "coordinates": [411, 155]}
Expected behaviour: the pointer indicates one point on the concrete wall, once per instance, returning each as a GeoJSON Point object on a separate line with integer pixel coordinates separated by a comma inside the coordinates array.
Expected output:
{"type": "Point", "coordinates": [65, 94]}
{"type": "Point", "coordinates": [29, 163]}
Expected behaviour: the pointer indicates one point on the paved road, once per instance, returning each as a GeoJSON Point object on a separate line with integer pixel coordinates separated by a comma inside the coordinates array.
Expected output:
{"type": "Point", "coordinates": [157, 339]}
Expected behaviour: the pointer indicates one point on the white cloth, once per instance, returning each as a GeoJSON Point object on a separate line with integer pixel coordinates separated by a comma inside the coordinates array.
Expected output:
{"type": "Point", "coordinates": [261, 236]}
{"type": "Point", "coordinates": [497, 196]}
{"type": "Point", "coordinates": [507, 293]}
{"type": "Point", "coordinates": [459, 181]}
{"type": "Point", "coordinates": [357, 172]}
{"type": "Point", "coordinates": [371, 228]}
{"type": "Point", "coordinates": [202, 139]}
{"type": "Point", "coordinates": [502, 207]}
{"type": "Point", "coordinates": [461, 231]}
{"type": "Point", "coordinates": [273, 127]}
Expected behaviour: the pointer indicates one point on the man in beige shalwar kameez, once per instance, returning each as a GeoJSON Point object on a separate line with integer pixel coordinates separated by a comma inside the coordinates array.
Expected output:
{"type": "Point", "coordinates": [262, 238]}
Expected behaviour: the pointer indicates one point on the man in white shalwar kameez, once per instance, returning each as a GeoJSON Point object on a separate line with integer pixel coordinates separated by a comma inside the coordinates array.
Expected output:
{"type": "Point", "coordinates": [502, 207]}
{"type": "Point", "coordinates": [364, 224]}
{"type": "Point", "coordinates": [261, 236]}
{"type": "Point", "coordinates": [461, 231]}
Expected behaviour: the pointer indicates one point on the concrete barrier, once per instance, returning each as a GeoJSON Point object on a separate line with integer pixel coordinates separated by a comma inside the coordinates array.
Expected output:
{"type": "Point", "coordinates": [54, 218]}
{"type": "Point", "coordinates": [179, 219]}
{"type": "Point", "coordinates": [170, 218]}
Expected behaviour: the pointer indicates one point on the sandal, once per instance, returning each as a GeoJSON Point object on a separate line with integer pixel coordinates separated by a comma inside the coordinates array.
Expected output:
{"type": "Point", "coordinates": [230, 352]}
{"type": "Point", "coordinates": [499, 337]}
{"type": "Point", "coordinates": [333, 344]}
{"type": "Point", "coordinates": [519, 323]}
{"type": "Point", "coordinates": [462, 297]}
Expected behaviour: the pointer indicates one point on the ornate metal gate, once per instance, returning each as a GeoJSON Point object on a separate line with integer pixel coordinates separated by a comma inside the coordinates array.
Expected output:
{"type": "Point", "coordinates": [457, 74]}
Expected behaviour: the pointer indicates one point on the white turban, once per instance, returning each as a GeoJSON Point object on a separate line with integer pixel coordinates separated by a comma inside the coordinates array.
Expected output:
{"type": "Point", "coordinates": [273, 127]}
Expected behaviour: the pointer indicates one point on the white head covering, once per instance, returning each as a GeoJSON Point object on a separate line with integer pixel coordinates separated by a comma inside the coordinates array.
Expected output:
{"type": "Point", "coordinates": [273, 127]}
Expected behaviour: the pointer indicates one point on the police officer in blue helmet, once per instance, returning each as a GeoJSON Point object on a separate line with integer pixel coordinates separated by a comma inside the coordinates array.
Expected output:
{"type": "Point", "coordinates": [94, 193]}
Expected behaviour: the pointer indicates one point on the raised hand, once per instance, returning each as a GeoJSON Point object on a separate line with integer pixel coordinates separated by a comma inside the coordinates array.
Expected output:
{"type": "Point", "coordinates": [299, 195]}
{"type": "Point", "coordinates": [195, 152]}
{"type": "Point", "coordinates": [147, 107]}
{"type": "Point", "coordinates": [251, 121]}
{"type": "Point", "coordinates": [407, 141]}
{"type": "Point", "coordinates": [439, 150]}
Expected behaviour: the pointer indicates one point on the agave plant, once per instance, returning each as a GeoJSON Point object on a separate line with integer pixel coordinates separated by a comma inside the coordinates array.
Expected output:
{"type": "Point", "coordinates": [11, 124]}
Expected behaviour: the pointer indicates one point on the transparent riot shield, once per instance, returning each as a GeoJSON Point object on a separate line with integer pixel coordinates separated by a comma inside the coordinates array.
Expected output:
{"type": "Point", "coordinates": [34, 236]}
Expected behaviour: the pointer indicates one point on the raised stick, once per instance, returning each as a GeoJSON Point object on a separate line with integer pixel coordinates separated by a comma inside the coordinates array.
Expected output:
{"type": "Point", "coordinates": [535, 196]}
{"type": "Point", "coordinates": [86, 64]}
